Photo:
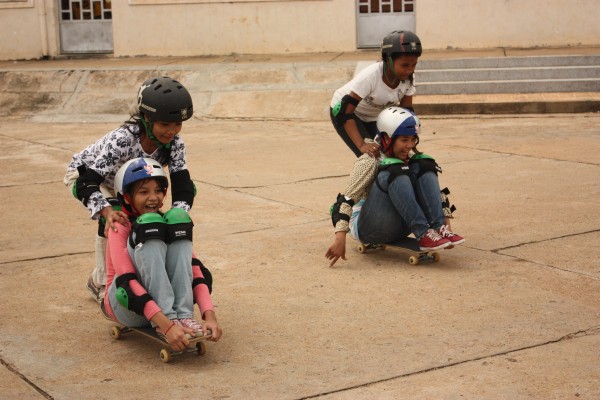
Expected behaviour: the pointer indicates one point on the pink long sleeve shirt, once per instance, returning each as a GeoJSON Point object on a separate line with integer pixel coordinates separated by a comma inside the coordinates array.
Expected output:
{"type": "Point", "coordinates": [119, 263]}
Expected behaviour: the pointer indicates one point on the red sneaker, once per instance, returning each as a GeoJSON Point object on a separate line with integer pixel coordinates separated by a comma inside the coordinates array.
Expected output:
{"type": "Point", "coordinates": [433, 241]}
{"type": "Point", "coordinates": [446, 233]}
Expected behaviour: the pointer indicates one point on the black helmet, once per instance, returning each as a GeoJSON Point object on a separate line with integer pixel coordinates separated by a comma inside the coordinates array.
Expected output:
{"type": "Point", "coordinates": [404, 42]}
{"type": "Point", "coordinates": [165, 99]}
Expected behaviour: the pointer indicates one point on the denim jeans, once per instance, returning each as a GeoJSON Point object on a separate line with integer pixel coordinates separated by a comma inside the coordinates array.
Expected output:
{"type": "Point", "coordinates": [165, 271]}
{"type": "Point", "coordinates": [411, 205]}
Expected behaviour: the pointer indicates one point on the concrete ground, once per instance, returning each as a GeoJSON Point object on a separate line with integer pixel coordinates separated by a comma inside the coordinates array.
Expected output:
{"type": "Point", "coordinates": [512, 314]}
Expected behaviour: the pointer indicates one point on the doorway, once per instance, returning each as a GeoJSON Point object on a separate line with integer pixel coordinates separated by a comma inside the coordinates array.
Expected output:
{"type": "Point", "coordinates": [377, 18]}
{"type": "Point", "coordinates": [86, 26]}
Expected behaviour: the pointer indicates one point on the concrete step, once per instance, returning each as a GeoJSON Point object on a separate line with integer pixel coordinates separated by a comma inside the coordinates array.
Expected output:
{"type": "Point", "coordinates": [493, 75]}
{"type": "Point", "coordinates": [510, 75]}
{"type": "Point", "coordinates": [510, 62]}
{"type": "Point", "coordinates": [297, 87]}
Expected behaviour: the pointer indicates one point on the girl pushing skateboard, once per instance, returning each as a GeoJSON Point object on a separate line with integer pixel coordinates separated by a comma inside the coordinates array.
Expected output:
{"type": "Point", "coordinates": [163, 104]}
{"type": "Point", "coordinates": [389, 82]}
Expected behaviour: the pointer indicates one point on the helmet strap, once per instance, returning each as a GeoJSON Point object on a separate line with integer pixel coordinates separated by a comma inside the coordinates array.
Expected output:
{"type": "Point", "coordinates": [128, 206]}
{"type": "Point", "coordinates": [148, 127]}
{"type": "Point", "coordinates": [389, 65]}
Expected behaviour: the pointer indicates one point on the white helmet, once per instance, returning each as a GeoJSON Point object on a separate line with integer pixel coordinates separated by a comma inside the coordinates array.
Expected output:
{"type": "Point", "coordinates": [136, 170]}
{"type": "Point", "coordinates": [398, 121]}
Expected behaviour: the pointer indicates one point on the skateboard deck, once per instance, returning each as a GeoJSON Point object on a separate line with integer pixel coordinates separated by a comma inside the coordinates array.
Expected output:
{"type": "Point", "coordinates": [166, 353]}
{"type": "Point", "coordinates": [409, 245]}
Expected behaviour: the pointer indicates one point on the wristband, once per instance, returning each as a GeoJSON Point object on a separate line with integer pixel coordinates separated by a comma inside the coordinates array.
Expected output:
{"type": "Point", "coordinates": [169, 328]}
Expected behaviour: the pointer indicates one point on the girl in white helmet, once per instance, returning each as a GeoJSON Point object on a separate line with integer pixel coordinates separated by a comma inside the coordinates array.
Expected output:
{"type": "Point", "coordinates": [389, 197]}
{"type": "Point", "coordinates": [153, 277]}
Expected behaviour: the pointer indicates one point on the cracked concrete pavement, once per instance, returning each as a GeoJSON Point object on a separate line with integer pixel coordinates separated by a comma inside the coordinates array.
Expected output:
{"type": "Point", "coordinates": [512, 314]}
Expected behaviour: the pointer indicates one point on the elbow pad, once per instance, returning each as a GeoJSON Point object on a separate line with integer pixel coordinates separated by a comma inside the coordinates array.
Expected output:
{"type": "Point", "coordinates": [446, 205]}
{"type": "Point", "coordinates": [182, 187]}
{"type": "Point", "coordinates": [336, 215]}
{"type": "Point", "coordinates": [86, 184]}
{"type": "Point", "coordinates": [339, 110]}
{"type": "Point", "coordinates": [125, 296]}
{"type": "Point", "coordinates": [207, 280]}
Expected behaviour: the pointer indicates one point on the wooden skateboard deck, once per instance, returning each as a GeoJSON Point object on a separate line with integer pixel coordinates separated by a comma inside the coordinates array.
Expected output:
{"type": "Point", "coordinates": [409, 245]}
{"type": "Point", "coordinates": [166, 353]}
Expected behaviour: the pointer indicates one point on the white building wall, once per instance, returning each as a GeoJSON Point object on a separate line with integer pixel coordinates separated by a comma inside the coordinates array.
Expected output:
{"type": "Point", "coordinates": [20, 33]}
{"type": "Point", "coordinates": [219, 28]}
{"type": "Point", "coordinates": [29, 28]}
{"type": "Point", "coordinates": [474, 24]}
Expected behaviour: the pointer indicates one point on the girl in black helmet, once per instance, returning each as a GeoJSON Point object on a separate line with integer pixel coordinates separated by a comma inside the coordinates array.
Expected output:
{"type": "Point", "coordinates": [152, 131]}
{"type": "Point", "coordinates": [389, 82]}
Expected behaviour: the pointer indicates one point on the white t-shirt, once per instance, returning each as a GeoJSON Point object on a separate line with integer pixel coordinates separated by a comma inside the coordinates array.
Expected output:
{"type": "Point", "coordinates": [375, 94]}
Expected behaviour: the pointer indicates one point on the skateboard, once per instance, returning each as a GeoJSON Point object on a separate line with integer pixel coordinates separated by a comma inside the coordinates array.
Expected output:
{"type": "Point", "coordinates": [166, 353]}
{"type": "Point", "coordinates": [409, 245]}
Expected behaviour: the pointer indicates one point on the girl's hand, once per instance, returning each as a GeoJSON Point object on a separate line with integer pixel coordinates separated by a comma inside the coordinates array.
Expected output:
{"type": "Point", "coordinates": [112, 217]}
{"type": "Point", "coordinates": [371, 149]}
{"type": "Point", "coordinates": [337, 249]}
{"type": "Point", "coordinates": [211, 324]}
{"type": "Point", "coordinates": [177, 338]}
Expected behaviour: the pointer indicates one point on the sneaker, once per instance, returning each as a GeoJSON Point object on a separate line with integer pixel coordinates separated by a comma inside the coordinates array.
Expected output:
{"type": "Point", "coordinates": [446, 233]}
{"type": "Point", "coordinates": [433, 241]}
{"type": "Point", "coordinates": [96, 292]}
{"type": "Point", "coordinates": [192, 324]}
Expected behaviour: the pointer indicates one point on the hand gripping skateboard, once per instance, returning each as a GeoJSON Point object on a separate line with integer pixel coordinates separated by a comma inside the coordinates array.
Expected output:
{"type": "Point", "coordinates": [409, 245]}
{"type": "Point", "coordinates": [166, 353]}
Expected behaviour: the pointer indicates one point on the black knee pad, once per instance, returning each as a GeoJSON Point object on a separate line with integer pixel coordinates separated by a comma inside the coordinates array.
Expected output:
{"type": "Point", "coordinates": [395, 167]}
{"type": "Point", "coordinates": [426, 164]}
{"type": "Point", "coordinates": [148, 226]}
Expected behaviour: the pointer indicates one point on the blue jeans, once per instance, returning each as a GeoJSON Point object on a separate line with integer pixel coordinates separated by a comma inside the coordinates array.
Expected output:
{"type": "Point", "coordinates": [411, 205]}
{"type": "Point", "coordinates": [165, 271]}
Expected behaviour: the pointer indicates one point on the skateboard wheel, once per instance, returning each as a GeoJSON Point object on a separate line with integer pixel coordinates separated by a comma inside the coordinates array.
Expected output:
{"type": "Point", "coordinates": [361, 248]}
{"type": "Point", "coordinates": [116, 332]}
{"type": "Point", "coordinates": [165, 356]}
{"type": "Point", "coordinates": [413, 260]}
{"type": "Point", "coordinates": [201, 347]}
{"type": "Point", "coordinates": [436, 257]}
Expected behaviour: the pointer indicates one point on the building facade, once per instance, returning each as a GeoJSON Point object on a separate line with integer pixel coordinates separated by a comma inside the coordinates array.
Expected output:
{"type": "Point", "coordinates": [35, 29]}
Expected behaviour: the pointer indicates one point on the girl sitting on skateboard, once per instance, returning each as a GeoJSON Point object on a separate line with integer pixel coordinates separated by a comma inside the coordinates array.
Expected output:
{"type": "Point", "coordinates": [153, 278]}
{"type": "Point", "coordinates": [390, 197]}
